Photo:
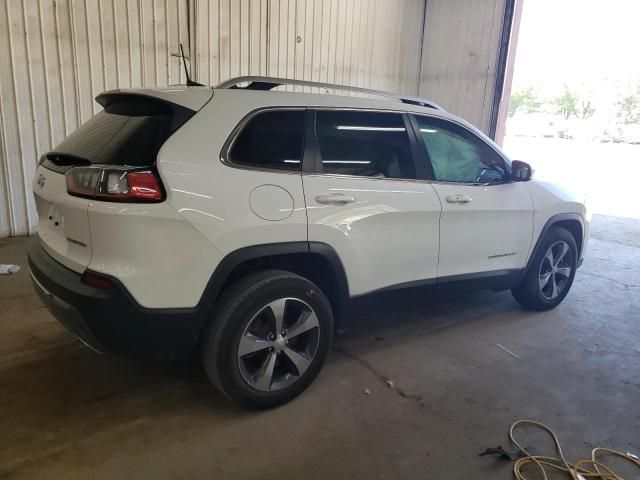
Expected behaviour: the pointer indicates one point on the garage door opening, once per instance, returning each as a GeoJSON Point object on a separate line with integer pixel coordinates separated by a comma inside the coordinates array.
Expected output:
{"type": "Point", "coordinates": [574, 112]}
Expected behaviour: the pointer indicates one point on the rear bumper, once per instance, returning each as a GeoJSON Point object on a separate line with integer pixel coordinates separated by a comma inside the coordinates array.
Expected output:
{"type": "Point", "coordinates": [111, 320]}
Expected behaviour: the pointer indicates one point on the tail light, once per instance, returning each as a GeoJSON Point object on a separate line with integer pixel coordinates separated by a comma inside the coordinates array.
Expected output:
{"type": "Point", "coordinates": [96, 281]}
{"type": "Point", "coordinates": [114, 184]}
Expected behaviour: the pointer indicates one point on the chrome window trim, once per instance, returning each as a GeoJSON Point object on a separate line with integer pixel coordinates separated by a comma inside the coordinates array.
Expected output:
{"type": "Point", "coordinates": [470, 184]}
{"type": "Point", "coordinates": [405, 180]}
{"type": "Point", "coordinates": [231, 139]}
{"type": "Point", "coordinates": [379, 179]}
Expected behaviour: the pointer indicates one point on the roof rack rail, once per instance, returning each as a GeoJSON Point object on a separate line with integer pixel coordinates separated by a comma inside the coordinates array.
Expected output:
{"type": "Point", "coordinates": [269, 83]}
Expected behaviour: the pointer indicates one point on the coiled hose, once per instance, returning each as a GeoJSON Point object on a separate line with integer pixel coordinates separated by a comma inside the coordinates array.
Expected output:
{"type": "Point", "coordinates": [581, 470]}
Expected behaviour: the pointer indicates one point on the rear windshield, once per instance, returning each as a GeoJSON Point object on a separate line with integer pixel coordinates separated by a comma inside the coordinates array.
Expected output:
{"type": "Point", "coordinates": [127, 132]}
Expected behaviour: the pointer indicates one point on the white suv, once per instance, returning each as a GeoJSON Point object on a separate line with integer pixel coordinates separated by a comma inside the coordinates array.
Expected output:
{"type": "Point", "coordinates": [241, 222]}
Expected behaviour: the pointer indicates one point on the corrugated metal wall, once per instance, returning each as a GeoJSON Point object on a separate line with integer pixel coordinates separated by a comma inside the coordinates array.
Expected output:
{"type": "Point", "coordinates": [460, 56]}
{"type": "Point", "coordinates": [56, 55]}
{"type": "Point", "coordinates": [369, 43]}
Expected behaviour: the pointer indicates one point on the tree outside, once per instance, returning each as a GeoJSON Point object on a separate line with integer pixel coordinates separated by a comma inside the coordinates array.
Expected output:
{"type": "Point", "coordinates": [629, 108]}
{"type": "Point", "coordinates": [569, 104]}
{"type": "Point", "coordinates": [526, 101]}
{"type": "Point", "coordinates": [566, 104]}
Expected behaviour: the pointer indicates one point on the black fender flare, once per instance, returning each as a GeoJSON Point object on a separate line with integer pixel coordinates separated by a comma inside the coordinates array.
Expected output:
{"type": "Point", "coordinates": [548, 224]}
{"type": "Point", "coordinates": [232, 260]}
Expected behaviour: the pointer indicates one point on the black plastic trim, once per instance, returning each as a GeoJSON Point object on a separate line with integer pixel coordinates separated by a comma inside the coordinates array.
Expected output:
{"type": "Point", "coordinates": [491, 280]}
{"type": "Point", "coordinates": [549, 223]}
{"type": "Point", "coordinates": [326, 251]}
{"type": "Point", "coordinates": [231, 261]}
{"type": "Point", "coordinates": [51, 161]}
{"type": "Point", "coordinates": [310, 156]}
{"type": "Point", "coordinates": [428, 282]}
{"type": "Point", "coordinates": [419, 166]}
{"type": "Point", "coordinates": [237, 257]}
{"type": "Point", "coordinates": [422, 157]}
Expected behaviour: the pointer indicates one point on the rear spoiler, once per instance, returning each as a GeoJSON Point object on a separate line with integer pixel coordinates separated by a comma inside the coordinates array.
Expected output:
{"type": "Point", "coordinates": [193, 98]}
{"type": "Point", "coordinates": [142, 104]}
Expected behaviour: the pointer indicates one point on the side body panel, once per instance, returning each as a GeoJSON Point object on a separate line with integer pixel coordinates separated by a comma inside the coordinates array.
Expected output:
{"type": "Point", "coordinates": [216, 198]}
{"type": "Point", "coordinates": [493, 231]}
{"type": "Point", "coordinates": [387, 236]}
{"type": "Point", "coordinates": [485, 228]}
{"type": "Point", "coordinates": [550, 200]}
{"type": "Point", "coordinates": [153, 251]}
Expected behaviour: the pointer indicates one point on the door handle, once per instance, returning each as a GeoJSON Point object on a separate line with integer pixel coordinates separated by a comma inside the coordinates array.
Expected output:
{"type": "Point", "coordinates": [458, 199]}
{"type": "Point", "coordinates": [334, 198]}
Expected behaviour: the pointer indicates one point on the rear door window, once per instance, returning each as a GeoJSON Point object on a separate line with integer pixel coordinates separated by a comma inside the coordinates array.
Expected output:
{"type": "Point", "coordinates": [270, 140]}
{"type": "Point", "coordinates": [362, 143]}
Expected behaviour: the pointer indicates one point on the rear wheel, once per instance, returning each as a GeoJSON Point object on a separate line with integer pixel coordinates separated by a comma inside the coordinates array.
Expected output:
{"type": "Point", "coordinates": [551, 272]}
{"type": "Point", "coordinates": [268, 339]}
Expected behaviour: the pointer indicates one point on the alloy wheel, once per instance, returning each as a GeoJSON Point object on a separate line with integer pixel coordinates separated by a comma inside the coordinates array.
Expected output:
{"type": "Point", "coordinates": [278, 344]}
{"type": "Point", "coordinates": [555, 270]}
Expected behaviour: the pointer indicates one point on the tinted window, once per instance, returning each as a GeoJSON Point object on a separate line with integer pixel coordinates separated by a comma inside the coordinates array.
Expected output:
{"type": "Point", "coordinates": [125, 133]}
{"type": "Point", "coordinates": [457, 155]}
{"type": "Point", "coordinates": [370, 144]}
{"type": "Point", "coordinates": [271, 139]}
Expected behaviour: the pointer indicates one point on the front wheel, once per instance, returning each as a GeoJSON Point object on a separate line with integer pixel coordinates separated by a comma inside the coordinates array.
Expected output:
{"type": "Point", "coordinates": [268, 338]}
{"type": "Point", "coordinates": [551, 273]}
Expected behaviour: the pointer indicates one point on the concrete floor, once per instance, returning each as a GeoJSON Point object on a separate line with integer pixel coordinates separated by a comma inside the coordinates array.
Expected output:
{"type": "Point", "coordinates": [67, 412]}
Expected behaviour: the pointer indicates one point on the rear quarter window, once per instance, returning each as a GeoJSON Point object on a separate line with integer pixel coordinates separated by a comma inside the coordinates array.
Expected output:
{"type": "Point", "coordinates": [270, 140]}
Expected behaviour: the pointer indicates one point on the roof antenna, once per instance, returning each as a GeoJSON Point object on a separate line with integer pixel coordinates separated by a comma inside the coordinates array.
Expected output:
{"type": "Point", "coordinates": [190, 83]}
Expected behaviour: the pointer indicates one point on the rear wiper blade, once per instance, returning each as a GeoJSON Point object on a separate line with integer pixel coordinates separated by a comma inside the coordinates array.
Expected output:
{"type": "Point", "coordinates": [65, 159]}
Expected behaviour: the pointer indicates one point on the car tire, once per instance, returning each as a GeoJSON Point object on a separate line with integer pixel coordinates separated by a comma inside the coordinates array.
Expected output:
{"type": "Point", "coordinates": [550, 274]}
{"type": "Point", "coordinates": [243, 354]}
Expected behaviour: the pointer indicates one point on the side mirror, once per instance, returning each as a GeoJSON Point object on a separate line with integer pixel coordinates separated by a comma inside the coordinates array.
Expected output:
{"type": "Point", "coordinates": [520, 171]}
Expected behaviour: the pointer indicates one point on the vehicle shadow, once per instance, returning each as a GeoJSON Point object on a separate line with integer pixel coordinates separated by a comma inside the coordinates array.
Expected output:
{"type": "Point", "coordinates": [393, 316]}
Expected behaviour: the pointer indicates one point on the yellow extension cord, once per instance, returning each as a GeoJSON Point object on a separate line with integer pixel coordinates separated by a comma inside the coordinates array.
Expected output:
{"type": "Point", "coordinates": [577, 471]}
